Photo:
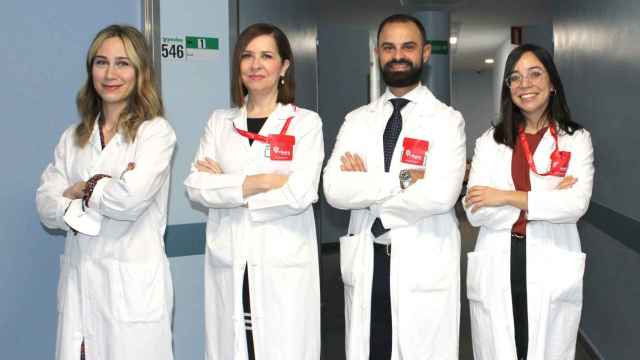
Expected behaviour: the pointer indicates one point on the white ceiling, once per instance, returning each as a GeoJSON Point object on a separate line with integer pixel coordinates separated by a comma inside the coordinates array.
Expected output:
{"type": "Point", "coordinates": [484, 24]}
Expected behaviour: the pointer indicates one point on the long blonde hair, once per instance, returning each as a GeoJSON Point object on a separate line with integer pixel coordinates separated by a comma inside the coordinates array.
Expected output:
{"type": "Point", "coordinates": [143, 104]}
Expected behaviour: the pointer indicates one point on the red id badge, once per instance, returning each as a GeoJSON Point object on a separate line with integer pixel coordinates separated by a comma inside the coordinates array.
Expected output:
{"type": "Point", "coordinates": [281, 146]}
{"type": "Point", "coordinates": [414, 151]}
{"type": "Point", "coordinates": [559, 163]}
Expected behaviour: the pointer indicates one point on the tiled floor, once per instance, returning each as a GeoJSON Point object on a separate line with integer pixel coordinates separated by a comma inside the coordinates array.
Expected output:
{"type": "Point", "coordinates": [333, 312]}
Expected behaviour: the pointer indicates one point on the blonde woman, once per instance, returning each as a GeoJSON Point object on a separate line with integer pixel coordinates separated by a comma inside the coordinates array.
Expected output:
{"type": "Point", "coordinates": [107, 187]}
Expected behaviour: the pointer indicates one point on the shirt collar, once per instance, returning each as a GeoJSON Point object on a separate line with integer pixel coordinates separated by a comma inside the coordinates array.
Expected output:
{"type": "Point", "coordinates": [95, 134]}
{"type": "Point", "coordinates": [415, 95]}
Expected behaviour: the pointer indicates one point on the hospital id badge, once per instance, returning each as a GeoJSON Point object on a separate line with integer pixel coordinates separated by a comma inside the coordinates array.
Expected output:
{"type": "Point", "coordinates": [281, 147]}
{"type": "Point", "coordinates": [559, 163]}
{"type": "Point", "coordinates": [414, 151]}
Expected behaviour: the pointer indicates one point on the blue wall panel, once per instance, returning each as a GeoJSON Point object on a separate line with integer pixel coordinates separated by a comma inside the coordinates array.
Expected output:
{"type": "Point", "coordinates": [44, 46]}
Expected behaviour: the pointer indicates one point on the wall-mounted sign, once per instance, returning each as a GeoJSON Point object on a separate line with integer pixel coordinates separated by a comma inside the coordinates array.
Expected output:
{"type": "Point", "coordinates": [189, 48]}
{"type": "Point", "coordinates": [439, 46]}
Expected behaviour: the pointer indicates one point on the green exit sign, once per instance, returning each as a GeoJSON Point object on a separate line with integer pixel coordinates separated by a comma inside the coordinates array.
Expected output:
{"type": "Point", "coordinates": [205, 43]}
{"type": "Point", "coordinates": [439, 46]}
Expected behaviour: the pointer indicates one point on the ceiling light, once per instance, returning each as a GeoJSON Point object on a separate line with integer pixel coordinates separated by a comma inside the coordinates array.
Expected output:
{"type": "Point", "coordinates": [488, 61]}
{"type": "Point", "coordinates": [453, 40]}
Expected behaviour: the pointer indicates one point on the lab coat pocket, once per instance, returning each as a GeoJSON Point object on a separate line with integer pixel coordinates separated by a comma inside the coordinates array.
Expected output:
{"type": "Point", "coordinates": [428, 312]}
{"type": "Point", "coordinates": [140, 290]}
{"type": "Point", "coordinates": [285, 244]}
{"type": "Point", "coordinates": [565, 306]}
{"type": "Point", "coordinates": [278, 165]}
{"type": "Point", "coordinates": [433, 272]}
{"type": "Point", "coordinates": [480, 289]}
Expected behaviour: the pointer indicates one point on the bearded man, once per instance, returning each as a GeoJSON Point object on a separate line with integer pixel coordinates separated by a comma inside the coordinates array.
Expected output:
{"type": "Point", "coordinates": [398, 165]}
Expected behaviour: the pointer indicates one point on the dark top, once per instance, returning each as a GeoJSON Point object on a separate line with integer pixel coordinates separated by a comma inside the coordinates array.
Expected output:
{"type": "Point", "coordinates": [254, 125]}
{"type": "Point", "coordinates": [520, 174]}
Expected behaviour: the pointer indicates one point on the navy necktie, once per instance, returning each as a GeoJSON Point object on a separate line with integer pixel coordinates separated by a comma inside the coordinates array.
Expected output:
{"type": "Point", "coordinates": [389, 140]}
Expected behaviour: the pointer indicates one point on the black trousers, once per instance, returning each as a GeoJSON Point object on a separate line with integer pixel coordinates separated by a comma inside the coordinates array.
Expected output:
{"type": "Point", "coordinates": [519, 294]}
{"type": "Point", "coordinates": [246, 305]}
{"type": "Point", "coordinates": [380, 335]}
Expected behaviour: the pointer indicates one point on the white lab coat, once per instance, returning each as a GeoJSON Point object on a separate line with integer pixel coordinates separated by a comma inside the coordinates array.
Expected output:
{"type": "Point", "coordinates": [555, 262]}
{"type": "Point", "coordinates": [115, 289]}
{"type": "Point", "coordinates": [425, 257]}
{"type": "Point", "coordinates": [273, 232]}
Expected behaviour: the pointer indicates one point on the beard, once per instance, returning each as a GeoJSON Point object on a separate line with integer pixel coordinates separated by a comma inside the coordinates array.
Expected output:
{"type": "Point", "coordinates": [401, 78]}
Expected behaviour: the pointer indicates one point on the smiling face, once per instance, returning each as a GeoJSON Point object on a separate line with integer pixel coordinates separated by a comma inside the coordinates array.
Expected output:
{"type": "Point", "coordinates": [113, 73]}
{"type": "Point", "coordinates": [530, 86]}
{"type": "Point", "coordinates": [401, 53]}
{"type": "Point", "coordinates": [261, 65]}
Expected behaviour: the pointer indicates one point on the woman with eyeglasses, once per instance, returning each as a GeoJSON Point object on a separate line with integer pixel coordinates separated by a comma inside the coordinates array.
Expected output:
{"type": "Point", "coordinates": [531, 180]}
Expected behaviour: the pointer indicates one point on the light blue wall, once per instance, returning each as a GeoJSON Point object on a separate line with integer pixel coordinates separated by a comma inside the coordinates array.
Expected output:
{"type": "Point", "coordinates": [44, 46]}
{"type": "Point", "coordinates": [191, 90]}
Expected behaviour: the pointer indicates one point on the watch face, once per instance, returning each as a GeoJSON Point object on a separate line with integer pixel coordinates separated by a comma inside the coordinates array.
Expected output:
{"type": "Point", "coordinates": [405, 179]}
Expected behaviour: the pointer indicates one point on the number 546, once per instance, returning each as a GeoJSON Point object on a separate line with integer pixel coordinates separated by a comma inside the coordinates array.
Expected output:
{"type": "Point", "coordinates": [175, 51]}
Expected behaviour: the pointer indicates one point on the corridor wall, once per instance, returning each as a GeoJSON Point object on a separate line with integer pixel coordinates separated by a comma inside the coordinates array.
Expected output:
{"type": "Point", "coordinates": [597, 53]}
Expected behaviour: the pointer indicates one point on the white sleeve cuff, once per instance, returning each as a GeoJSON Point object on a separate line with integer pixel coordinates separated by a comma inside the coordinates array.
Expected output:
{"type": "Point", "coordinates": [96, 197]}
{"type": "Point", "coordinates": [84, 220]}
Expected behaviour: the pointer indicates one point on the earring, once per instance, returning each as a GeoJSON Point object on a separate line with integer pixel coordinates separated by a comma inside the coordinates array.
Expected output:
{"type": "Point", "coordinates": [281, 80]}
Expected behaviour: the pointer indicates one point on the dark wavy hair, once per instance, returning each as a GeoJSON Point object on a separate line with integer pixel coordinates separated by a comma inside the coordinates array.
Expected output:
{"type": "Point", "coordinates": [286, 91]}
{"type": "Point", "coordinates": [511, 117]}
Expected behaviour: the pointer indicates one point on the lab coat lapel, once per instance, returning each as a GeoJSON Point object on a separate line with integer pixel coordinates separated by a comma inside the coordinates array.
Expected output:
{"type": "Point", "coordinates": [239, 119]}
{"type": "Point", "coordinates": [273, 125]}
{"type": "Point", "coordinates": [542, 155]}
{"type": "Point", "coordinates": [276, 120]}
{"type": "Point", "coordinates": [97, 155]}
{"type": "Point", "coordinates": [375, 150]}
{"type": "Point", "coordinates": [413, 124]}
{"type": "Point", "coordinates": [507, 154]}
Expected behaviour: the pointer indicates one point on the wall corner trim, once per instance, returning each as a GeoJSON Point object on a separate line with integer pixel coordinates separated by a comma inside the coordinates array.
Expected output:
{"type": "Point", "coordinates": [614, 224]}
{"type": "Point", "coordinates": [589, 346]}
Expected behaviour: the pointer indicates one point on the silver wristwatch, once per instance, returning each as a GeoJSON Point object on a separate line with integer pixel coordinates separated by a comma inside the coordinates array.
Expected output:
{"type": "Point", "coordinates": [405, 178]}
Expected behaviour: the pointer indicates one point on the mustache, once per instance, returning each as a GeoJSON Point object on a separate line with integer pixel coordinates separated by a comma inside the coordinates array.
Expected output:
{"type": "Point", "coordinates": [406, 62]}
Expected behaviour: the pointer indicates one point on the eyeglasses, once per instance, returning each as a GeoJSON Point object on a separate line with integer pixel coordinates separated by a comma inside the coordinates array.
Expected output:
{"type": "Point", "coordinates": [515, 79]}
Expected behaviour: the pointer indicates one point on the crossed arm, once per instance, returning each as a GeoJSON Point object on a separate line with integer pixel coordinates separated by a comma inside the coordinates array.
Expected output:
{"type": "Point", "coordinates": [485, 196]}
{"type": "Point", "coordinates": [253, 184]}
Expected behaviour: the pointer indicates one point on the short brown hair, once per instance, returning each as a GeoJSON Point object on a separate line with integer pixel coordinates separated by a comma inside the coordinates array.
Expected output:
{"type": "Point", "coordinates": [143, 104]}
{"type": "Point", "coordinates": [286, 92]}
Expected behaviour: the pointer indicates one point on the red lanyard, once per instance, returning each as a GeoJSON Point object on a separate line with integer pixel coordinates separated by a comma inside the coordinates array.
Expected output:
{"type": "Point", "coordinates": [555, 166]}
{"type": "Point", "coordinates": [260, 138]}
